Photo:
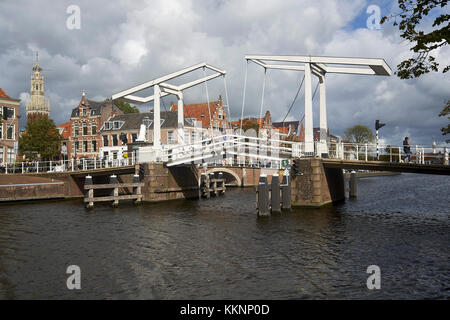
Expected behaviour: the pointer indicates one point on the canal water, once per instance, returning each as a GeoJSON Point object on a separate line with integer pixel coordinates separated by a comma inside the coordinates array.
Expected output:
{"type": "Point", "coordinates": [219, 249]}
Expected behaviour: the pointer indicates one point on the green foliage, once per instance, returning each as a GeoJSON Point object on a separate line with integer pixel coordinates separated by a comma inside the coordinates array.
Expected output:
{"type": "Point", "coordinates": [41, 137]}
{"type": "Point", "coordinates": [446, 112]}
{"type": "Point", "coordinates": [358, 134]}
{"type": "Point", "coordinates": [124, 106]}
{"type": "Point", "coordinates": [411, 15]}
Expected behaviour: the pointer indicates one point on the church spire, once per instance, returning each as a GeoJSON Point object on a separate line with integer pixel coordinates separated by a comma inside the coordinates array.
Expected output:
{"type": "Point", "coordinates": [37, 105]}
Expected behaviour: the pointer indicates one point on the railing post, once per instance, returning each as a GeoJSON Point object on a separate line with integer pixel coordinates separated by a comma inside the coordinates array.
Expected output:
{"type": "Point", "coordinates": [423, 155]}
{"type": "Point", "coordinates": [365, 150]}
{"type": "Point", "coordinates": [50, 165]}
{"type": "Point", "coordinates": [37, 166]}
{"type": "Point", "coordinates": [357, 152]}
{"type": "Point", "coordinates": [6, 167]}
{"type": "Point", "coordinates": [95, 163]}
{"type": "Point", "coordinates": [446, 156]}
{"type": "Point", "coordinates": [22, 166]}
{"type": "Point", "coordinates": [390, 154]}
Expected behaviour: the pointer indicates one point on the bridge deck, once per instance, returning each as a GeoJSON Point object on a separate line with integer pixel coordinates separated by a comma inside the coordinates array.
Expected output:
{"type": "Point", "coordinates": [387, 166]}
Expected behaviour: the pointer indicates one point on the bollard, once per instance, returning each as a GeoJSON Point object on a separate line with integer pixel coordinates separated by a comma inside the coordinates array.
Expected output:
{"type": "Point", "coordinates": [203, 182]}
{"type": "Point", "coordinates": [446, 156]}
{"type": "Point", "coordinates": [115, 190]}
{"type": "Point", "coordinates": [275, 194]}
{"type": "Point", "coordinates": [262, 199]}
{"type": "Point", "coordinates": [90, 192]}
{"type": "Point", "coordinates": [137, 190]}
{"type": "Point", "coordinates": [286, 193]}
{"type": "Point", "coordinates": [352, 185]}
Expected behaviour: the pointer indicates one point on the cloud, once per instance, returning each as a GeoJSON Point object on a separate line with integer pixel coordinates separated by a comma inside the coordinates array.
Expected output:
{"type": "Point", "coordinates": [131, 42]}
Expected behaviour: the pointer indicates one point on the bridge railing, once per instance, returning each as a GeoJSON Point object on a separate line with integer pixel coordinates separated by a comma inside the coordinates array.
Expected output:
{"type": "Point", "coordinates": [64, 165]}
{"type": "Point", "coordinates": [389, 153]}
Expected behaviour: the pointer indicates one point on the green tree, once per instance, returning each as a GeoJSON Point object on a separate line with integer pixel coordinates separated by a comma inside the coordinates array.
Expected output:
{"type": "Point", "coordinates": [124, 106]}
{"type": "Point", "coordinates": [446, 112]}
{"type": "Point", "coordinates": [40, 137]}
{"type": "Point", "coordinates": [358, 134]}
{"type": "Point", "coordinates": [411, 15]}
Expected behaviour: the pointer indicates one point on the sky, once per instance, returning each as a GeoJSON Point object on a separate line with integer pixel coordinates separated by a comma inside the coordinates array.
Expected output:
{"type": "Point", "coordinates": [124, 43]}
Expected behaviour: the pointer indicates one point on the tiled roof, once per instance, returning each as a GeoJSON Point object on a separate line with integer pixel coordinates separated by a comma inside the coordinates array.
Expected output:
{"type": "Point", "coordinates": [65, 128]}
{"type": "Point", "coordinates": [95, 106]}
{"type": "Point", "coordinates": [199, 111]}
{"type": "Point", "coordinates": [3, 93]}
{"type": "Point", "coordinates": [133, 121]}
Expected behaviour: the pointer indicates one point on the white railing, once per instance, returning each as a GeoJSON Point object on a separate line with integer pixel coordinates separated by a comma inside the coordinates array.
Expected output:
{"type": "Point", "coordinates": [388, 153]}
{"type": "Point", "coordinates": [64, 165]}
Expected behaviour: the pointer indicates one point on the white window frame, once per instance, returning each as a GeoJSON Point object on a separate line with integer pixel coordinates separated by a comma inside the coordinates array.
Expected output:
{"type": "Point", "coordinates": [10, 125]}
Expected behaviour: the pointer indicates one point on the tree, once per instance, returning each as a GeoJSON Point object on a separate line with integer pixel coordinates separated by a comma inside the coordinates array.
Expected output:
{"type": "Point", "coordinates": [358, 134]}
{"type": "Point", "coordinates": [446, 112]}
{"type": "Point", "coordinates": [411, 15]}
{"type": "Point", "coordinates": [124, 106]}
{"type": "Point", "coordinates": [40, 137]}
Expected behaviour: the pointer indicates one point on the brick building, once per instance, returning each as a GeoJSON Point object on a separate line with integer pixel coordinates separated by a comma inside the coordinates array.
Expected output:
{"type": "Point", "coordinates": [9, 127]}
{"type": "Point", "coordinates": [85, 123]}
{"type": "Point", "coordinates": [214, 116]}
{"type": "Point", "coordinates": [122, 129]}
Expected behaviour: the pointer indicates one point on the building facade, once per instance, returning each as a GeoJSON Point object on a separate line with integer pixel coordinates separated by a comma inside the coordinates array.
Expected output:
{"type": "Point", "coordinates": [9, 127]}
{"type": "Point", "coordinates": [37, 106]}
{"type": "Point", "coordinates": [85, 123]}
{"type": "Point", "coordinates": [122, 129]}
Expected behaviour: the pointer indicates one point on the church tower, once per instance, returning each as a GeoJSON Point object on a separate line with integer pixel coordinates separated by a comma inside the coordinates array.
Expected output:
{"type": "Point", "coordinates": [37, 105]}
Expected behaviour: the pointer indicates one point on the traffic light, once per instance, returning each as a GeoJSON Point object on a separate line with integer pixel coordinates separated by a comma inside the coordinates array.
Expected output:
{"type": "Point", "coordinates": [296, 167]}
{"type": "Point", "coordinates": [378, 124]}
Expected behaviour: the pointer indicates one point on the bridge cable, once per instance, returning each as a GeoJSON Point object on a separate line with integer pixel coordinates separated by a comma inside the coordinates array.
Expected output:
{"type": "Point", "coordinates": [262, 96]}
{"type": "Point", "coordinates": [226, 97]}
{"type": "Point", "coordinates": [207, 98]}
{"type": "Point", "coordinates": [243, 96]}
{"type": "Point", "coordinates": [295, 98]}
{"type": "Point", "coordinates": [314, 94]}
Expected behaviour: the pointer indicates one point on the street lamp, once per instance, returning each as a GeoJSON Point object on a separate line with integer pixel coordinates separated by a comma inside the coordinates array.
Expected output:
{"type": "Point", "coordinates": [378, 125]}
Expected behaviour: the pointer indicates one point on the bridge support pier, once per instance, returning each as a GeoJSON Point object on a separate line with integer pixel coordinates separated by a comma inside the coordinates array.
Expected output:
{"type": "Point", "coordinates": [317, 186]}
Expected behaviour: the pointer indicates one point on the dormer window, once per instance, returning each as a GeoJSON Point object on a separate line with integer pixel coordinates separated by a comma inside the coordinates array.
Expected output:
{"type": "Point", "coordinates": [84, 112]}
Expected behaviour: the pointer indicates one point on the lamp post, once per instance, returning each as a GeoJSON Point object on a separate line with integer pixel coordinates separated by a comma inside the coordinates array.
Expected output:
{"type": "Point", "coordinates": [378, 125]}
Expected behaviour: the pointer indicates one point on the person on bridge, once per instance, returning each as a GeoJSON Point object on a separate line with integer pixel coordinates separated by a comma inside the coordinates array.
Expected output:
{"type": "Point", "coordinates": [407, 149]}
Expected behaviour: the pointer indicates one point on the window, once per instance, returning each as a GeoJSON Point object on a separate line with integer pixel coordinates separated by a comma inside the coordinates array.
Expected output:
{"type": "Point", "coordinates": [10, 131]}
{"type": "Point", "coordinates": [114, 155]}
{"type": "Point", "coordinates": [186, 136]}
{"type": "Point", "coordinates": [134, 137]}
{"type": "Point", "coordinates": [170, 137]}
{"type": "Point", "coordinates": [116, 125]}
{"type": "Point", "coordinates": [75, 130]}
{"type": "Point", "coordinates": [221, 114]}
{"type": "Point", "coordinates": [94, 129]}
{"type": "Point", "coordinates": [84, 112]}
{"type": "Point", "coordinates": [94, 146]}
{"type": "Point", "coordinates": [85, 146]}
{"type": "Point", "coordinates": [192, 136]}
{"type": "Point", "coordinates": [105, 141]}
{"type": "Point", "coordinates": [10, 156]}
{"type": "Point", "coordinates": [1, 134]}
{"type": "Point", "coordinates": [107, 125]}
{"type": "Point", "coordinates": [85, 130]}
{"type": "Point", "coordinates": [1, 154]}
{"type": "Point", "coordinates": [114, 140]}
{"type": "Point", "coordinates": [7, 113]}
{"type": "Point", "coordinates": [77, 146]}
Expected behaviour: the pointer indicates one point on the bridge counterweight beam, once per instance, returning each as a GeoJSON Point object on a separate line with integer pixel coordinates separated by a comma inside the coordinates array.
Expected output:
{"type": "Point", "coordinates": [181, 119]}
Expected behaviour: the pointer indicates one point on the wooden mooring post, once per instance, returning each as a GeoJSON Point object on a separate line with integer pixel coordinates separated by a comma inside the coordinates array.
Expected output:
{"type": "Point", "coordinates": [114, 196]}
{"type": "Point", "coordinates": [268, 198]}
{"type": "Point", "coordinates": [209, 185]}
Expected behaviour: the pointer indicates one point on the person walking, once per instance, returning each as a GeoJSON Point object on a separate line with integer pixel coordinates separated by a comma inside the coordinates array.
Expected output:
{"type": "Point", "coordinates": [407, 149]}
